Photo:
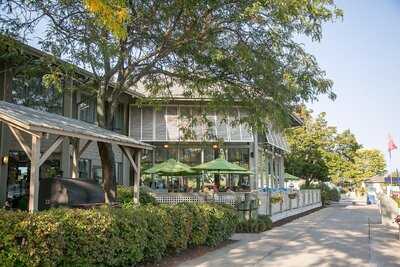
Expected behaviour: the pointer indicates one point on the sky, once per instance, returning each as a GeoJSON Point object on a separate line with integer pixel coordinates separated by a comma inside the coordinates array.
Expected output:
{"type": "Point", "coordinates": [361, 54]}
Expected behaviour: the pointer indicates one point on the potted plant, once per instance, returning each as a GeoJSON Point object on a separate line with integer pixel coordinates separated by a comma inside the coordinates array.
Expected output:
{"type": "Point", "coordinates": [276, 198]}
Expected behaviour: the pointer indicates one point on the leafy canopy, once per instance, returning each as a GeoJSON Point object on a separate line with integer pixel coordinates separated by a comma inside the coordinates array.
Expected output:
{"type": "Point", "coordinates": [320, 153]}
{"type": "Point", "coordinates": [233, 52]}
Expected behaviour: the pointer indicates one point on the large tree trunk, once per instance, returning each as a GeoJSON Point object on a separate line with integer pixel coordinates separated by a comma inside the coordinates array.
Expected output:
{"type": "Point", "coordinates": [107, 163]}
{"type": "Point", "coordinates": [105, 113]}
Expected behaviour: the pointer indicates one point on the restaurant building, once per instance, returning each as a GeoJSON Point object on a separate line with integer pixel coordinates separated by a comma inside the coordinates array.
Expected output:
{"type": "Point", "coordinates": [160, 126]}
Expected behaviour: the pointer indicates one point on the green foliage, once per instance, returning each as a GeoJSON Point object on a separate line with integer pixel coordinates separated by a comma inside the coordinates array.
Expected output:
{"type": "Point", "coordinates": [247, 49]}
{"type": "Point", "coordinates": [367, 163]}
{"type": "Point", "coordinates": [182, 227]}
{"type": "Point", "coordinates": [221, 223]}
{"type": "Point", "coordinates": [200, 217]}
{"type": "Point", "coordinates": [125, 196]}
{"type": "Point", "coordinates": [110, 237]}
{"type": "Point", "coordinates": [260, 224]}
{"type": "Point", "coordinates": [320, 153]}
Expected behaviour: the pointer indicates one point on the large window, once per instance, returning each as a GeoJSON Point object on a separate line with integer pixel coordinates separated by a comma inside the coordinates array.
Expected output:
{"type": "Point", "coordinates": [87, 108]}
{"type": "Point", "coordinates": [190, 156]}
{"type": "Point", "coordinates": [118, 121]}
{"type": "Point", "coordinates": [84, 168]}
{"type": "Point", "coordinates": [31, 93]}
{"type": "Point", "coordinates": [119, 173]}
{"type": "Point", "coordinates": [164, 153]}
{"type": "Point", "coordinates": [239, 156]}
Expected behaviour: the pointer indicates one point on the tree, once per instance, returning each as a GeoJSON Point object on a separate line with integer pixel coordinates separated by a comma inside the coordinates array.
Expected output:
{"type": "Point", "coordinates": [310, 147]}
{"type": "Point", "coordinates": [367, 163]}
{"type": "Point", "coordinates": [320, 153]}
{"type": "Point", "coordinates": [233, 52]}
{"type": "Point", "coordinates": [342, 156]}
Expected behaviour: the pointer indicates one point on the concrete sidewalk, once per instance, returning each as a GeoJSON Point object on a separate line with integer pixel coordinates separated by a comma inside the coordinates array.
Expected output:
{"type": "Point", "coordinates": [334, 236]}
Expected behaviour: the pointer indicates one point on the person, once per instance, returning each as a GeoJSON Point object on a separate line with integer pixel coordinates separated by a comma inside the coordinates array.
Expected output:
{"type": "Point", "coordinates": [215, 188]}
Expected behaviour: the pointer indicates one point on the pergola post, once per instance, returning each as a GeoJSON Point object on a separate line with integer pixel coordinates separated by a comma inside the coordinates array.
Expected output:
{"type": "Point", "coordinates": [75, 158]}
{"type": "Point", "coordinates": [136, 180]}
{"type": "Point", "coordinates": [135, 162]}
{"type": "Point", "coordinates": [34, 178]}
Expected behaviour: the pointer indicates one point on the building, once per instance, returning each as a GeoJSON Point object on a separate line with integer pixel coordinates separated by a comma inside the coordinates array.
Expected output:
{"type": "Point", "coordinates": [160, 126]}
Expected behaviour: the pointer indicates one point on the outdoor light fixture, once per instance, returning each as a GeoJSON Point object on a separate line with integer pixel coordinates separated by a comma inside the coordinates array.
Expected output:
{"type": "Point", "coordinates": [4, 160]}
{"type": "Point", "coordinates": [166, 146]}
{"type": "Point", "coordinates": [215, 146]}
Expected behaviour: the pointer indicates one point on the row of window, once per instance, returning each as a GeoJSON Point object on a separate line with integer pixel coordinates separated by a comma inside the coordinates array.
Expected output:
{"type": "Point", "coordinates": [31, 93]}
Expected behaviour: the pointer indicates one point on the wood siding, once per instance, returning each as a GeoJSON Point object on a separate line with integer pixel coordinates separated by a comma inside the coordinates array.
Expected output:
{"type": "Point", "coordinates": [166, 124]}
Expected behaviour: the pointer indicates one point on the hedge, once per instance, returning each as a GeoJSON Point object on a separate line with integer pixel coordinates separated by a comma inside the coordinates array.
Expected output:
{"type": "Point", "coordinates": [261, 224]}
{"type": "Point", "coordinates": [110, 237]}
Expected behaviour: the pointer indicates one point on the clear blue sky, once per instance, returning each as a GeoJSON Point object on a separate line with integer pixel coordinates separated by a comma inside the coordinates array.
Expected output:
{"type": "Point", "coordinates": [361, 54]}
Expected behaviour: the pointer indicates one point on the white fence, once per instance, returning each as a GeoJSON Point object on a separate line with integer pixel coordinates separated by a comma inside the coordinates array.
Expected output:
{"type": "Point", "coordinates": [302, 201]}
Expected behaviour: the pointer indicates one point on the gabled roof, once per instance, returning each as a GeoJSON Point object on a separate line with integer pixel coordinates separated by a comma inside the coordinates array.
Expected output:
{"type": "Point", "coordinates": [44, 122]}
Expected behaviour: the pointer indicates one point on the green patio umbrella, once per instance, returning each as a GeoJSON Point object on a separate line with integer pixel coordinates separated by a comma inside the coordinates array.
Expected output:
{"type": "Point", "coordinates": [289, 177]}
{"type": "Point", "coordinates": [171, 167]}
{"type": "Point", "coordinates": [220, 165]}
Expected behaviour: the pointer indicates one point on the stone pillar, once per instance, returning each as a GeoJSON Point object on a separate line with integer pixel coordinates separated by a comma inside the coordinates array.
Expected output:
{"type": "Point", "coordinates": [5, 95]}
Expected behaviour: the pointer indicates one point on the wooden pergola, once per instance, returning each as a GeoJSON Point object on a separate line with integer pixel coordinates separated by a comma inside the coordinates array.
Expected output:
{"type": "Point", "coordinates": [39, 125]}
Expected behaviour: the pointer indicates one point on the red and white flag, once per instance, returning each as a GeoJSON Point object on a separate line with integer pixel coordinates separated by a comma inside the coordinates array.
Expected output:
{"type": "Point", "coordinates": [391, 146]}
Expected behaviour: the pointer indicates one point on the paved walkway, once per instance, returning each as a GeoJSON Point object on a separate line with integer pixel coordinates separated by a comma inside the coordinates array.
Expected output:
{"type": "Point", "coordinates": [334, 236]}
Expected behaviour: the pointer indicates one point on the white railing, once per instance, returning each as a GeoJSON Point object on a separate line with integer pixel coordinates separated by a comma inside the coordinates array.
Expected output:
{"type": "Point", "coordinates": [304, 200]}
{"type": "Point", "coordinates": [223, 198]}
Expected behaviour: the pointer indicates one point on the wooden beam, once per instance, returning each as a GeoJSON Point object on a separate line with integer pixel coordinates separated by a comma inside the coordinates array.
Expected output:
{"type": "Point", "coordinates": [34, 178]}
{"type": "Point", "coordinates": [50, 150]}
{"type": "Point", "coordinates": [21, 140]}
{"type": "Point", "coordinates": [85, 146]}
{"type": "Point", "coordinates": [128, 154]}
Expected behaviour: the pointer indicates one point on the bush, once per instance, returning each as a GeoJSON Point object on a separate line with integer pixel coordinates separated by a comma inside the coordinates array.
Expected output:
{"type": "Point", "coordinates": [200, 217]}
{"type": "Point", "coordinates": [182, 227]}
{"type": "Point", "coordinates": [110, 237]}
{"type": "Point", "coordinates": [260, 224]}
{"type": "Point", "coordinates": [222, 223]}
{"type": "Point", "coordinates": [125, 196]}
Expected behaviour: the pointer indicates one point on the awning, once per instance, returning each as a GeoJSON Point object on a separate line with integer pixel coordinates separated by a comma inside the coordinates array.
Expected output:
{"type": "Point", "coordinates": [44, 122]}
{"type": "Point", "coordinates": [276, 139]}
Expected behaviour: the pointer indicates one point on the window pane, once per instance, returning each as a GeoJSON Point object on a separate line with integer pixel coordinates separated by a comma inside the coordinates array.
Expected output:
{"type": "Point", "coordinates": [190, 156]}
{"type": "Point", "coordinates": [87, 109]}
{"type": "Point", "coordinates": [31, 93]}
{"type": "Point", "coordinates": [239, 156]}
{"type": "Point", "coordinates": [84, 168]}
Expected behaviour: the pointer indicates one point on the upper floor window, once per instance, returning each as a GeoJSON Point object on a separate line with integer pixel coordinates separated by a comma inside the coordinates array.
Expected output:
{"type": "Point", "coordinates": [118, 121]}
{"type": "Point", "coordinates": [31, 93]}
{"type": "Point", "coordinates": [87, 108]}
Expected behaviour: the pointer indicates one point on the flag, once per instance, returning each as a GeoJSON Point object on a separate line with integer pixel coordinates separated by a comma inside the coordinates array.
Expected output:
{"type": "Point", "coordinates": [391, 146]}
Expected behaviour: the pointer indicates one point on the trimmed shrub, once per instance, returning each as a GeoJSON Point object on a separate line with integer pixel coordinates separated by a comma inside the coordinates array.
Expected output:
{"type": "Point", "coordinates": [200, 217]}
{"type": "Point", "coordinates": [221, 224]}
{"type": "Point", "coordinates": [260, 224]}
{"type": "Point", "coordinates": [110, 236]}
{"type": "Point", "coordinates": [125, 196]}
{"type": "Point", "coordinates": [72, 237]}
{"type": "Point", "coordinates": [182, 227]}
{"type": "Point", "coordinates": [159, 231]}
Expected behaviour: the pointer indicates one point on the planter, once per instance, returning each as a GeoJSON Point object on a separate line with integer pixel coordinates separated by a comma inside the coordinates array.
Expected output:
{"type": "Point", "coordinates": [276, 199]}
